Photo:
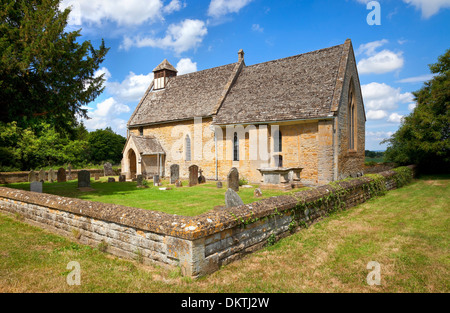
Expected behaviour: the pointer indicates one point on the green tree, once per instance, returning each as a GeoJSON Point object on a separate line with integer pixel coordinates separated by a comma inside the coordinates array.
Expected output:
{"type": "Point", "coordinates": [45, 73]}
{"type": "Point", "coordinates": [105, 145]}
{"type": "Point", "coordinates": [423, 137]}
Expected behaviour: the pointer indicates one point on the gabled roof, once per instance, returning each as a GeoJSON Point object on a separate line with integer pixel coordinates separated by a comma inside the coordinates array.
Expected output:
{"type": "Point", "coordinates": [146, 145]}
{"type": "Point", "coordinates": [298, 87]}
{"type": "Point", "coordinates": [185, 96]}
{"type": "Point", "coordinates": [165, 65]}
{"type": "Point", "coordinates": [305, 86]}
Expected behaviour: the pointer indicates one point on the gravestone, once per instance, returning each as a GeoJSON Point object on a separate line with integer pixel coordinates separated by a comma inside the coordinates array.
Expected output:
{"type": "Point", "coordinates": [232, 199]}
{"type": "Point", "coordinates": [41, 176]}
{"type": "Point", "coordinates": [193, 175]}
{"type": "Point", "coordinates": [174, 173]}
{"type": "Point", "coordinates": [219, 184]}
{"type": "Point", "coordinates": [201, 178]}
{"type": "Point", "coordinates": [69, 170]}
{"type": "Point", "coordinates": [156, 180]}
{"type": "Point", "coordinates": [96, 176]}
{"type": "Point", "coordinates": [111, 180]}
{"type": "Point", "coordinates": [122, 178]}
{"type": "Point", "coordinates": [108, 171]}
{"type": "Point", "coordinates": [61, 177]}
{"type": "Point", "coordinates": [178, 183]}
{"type": "Point", "coordinates": [257, 193]}
{"type": "Point", "coordinates": [84, 179]}
{"type": "Point", "coordinates": [31, 176]}
{"type": "Point", "coordinates": [139, 180]}
{"type": "Point", "coordinates": [233, 179]}
{"type": "Point", "coordinates": [51, 176]}
{"type": "Point", "coordinates": [36, 186]}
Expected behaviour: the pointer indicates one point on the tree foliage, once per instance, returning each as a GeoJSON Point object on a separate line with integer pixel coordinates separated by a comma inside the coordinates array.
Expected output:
{"type": "Point", "coordinates": [45, 73]}
{"type": "Point", "coordinates": [423, 137]}
{"type": "Point", "coordinates": [26, 149]}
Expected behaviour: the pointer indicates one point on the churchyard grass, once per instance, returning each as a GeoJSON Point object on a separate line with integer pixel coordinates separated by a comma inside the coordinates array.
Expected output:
{"type": "Point", "coordinates": [405, 231]}
{"type": "Point", "coordinates": [187, 201]}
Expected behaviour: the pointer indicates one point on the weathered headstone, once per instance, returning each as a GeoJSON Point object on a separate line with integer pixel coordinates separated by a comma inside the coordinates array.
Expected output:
{"type": "Point", "coordinates": [178, 183]}
{"type": "Point", "coordinates": [156, 180]}
{"type": "Point", "coordinates": [122, 178]}
{"type": "Point", "coordinates": [97, 176]}
{"type": "Point", "coordinates": [41, 176]}
{"type": "Point", "coordinates": [219, 184]}
{"type": "Point", "coordinates": [108, 171]}
{"type": "Point", "coordinates": [201, 178]}
{"type": "Point", "coordinates": [84, 179]}
{"type": "Point", "coordinates": [139, 180]}
{"type": "Point", "coordinates": [174, 173]}
{"type": "Point", "coordinates": [36, 186]}
{"type": "Point", "coordinates": [233, 179]}
{"type": "Point", "coordinates": [232, 199]}
{"type": "Point", "coordinates": [257, 193]}
{"type": "Point", "coordinates": [69, 170]}
{"type": "Point", "coordinates": [61, 177]}
{"type": "Point", "coordinates": [193, 175]}
{"type": "Point", "coordinates": [31, 176]}
{"type": "Point", "coordinates": [51, 176]}
{"type": "Point", "coordinates": [111, 180]}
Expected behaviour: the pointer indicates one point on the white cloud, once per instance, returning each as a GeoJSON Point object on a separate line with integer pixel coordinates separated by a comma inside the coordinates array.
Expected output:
{"type": "Point", "coordinates": [130, 12]}
{"type": "Point", "coordinates": [101, 71]}
{"type": "Point", "coordinates": [106, 114]}
{"type": "Point", "coordinates": [376, 114]}
{"type": "Point", "coordinates": [383, 62]}
{"type": "Point", "coordinates": [378, 62]}
{"type": "Point", "coordinates": [416, 79]}
{"type": "Point", "coordinates": [384, 97]}
{"type": "Point", "coordinates": [379, 135]}
{"type": "Point", "coordinates": [180, 37]}
{"type": "Point", "coordinates": [429, 7]}
{"type": "Point", "coordinates": [173, 6]}
{"type": "Point", "coordinates": [395, 118]}
{"type": "Point", "coordinates": [185, 66]}
{"type": "Point", "coordinates": [218, 8]}
{"type": "Point", "coordinates": [132, 88]}
{"type": "Point", "coordinates": [412, 106]}
{"type": "Point", "coordinates": [257, 28]}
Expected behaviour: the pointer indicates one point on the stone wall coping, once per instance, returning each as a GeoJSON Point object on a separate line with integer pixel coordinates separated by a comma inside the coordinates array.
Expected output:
{"type": "Point", "coordinates": [186, 227]}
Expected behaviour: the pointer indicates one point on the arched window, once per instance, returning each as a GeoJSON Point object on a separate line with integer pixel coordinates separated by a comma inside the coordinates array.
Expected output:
{"type": "Point", "coordinates": [351, 117]}
{"type": "Point", "coordinates": [278, 142]}
{"type": "Point", "coordinates": [188, 148]}
{"type": "Point", "coordinates": [235, 147]}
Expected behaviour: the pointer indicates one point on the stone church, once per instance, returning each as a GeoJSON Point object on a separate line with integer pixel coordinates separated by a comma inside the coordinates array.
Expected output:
{"type": "Point", "coordinates": [304, 111]}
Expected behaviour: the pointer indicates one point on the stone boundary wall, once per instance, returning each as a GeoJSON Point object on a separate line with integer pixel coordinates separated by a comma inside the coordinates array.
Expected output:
{"type": "Point", "coordinates": [22, 177]}
{"type": "Point", "coordinates": [199, 244]}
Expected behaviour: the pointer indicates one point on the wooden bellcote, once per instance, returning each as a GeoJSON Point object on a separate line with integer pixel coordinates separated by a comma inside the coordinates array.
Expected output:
{"type": "Point", "coordinates": [162, 73]}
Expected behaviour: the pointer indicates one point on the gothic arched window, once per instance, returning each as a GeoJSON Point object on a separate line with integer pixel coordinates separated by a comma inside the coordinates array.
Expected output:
{"type": "Point", "coordinates": [235, 147]}
{"type": "Point", "coordinates": [188, 148]}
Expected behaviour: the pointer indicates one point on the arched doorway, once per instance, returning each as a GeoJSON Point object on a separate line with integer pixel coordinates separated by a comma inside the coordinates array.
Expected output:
{"type": "Point", "coordinates": [132, 161]}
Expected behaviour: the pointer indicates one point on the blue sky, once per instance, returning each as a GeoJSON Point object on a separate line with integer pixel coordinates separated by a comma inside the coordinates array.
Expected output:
{"type": "Point", "coordinates": [193, 35]}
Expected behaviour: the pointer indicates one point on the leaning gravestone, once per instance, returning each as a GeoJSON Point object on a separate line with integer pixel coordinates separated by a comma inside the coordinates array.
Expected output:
{"type": "Point", "coordinates": [36, 186]}
{"type": "Point", "coordinates": [139, 180]}
{"type": "Point", "coordinates": [31, 176]}
{"type": "Point", "coordinates": [156, 180]}
{"type": "Point", "coordinates": [61, 177]}
{"type": "Point", "coordinates": [233, 179]}
{"type": "Point", "coordinates": [107, 167]}
{"type": "Point", "coordinates": [84, 179]}
{"type": "Point", "coordinates": [232, 199]}
{"type": "Point", "coordinates": [51, 176]}
{"type": "Point", "coordinates": [193, 175]}
{"type": "Point", "coordinates": [41, 176]}
{"type": "Point", "coordinates": [174, 173]}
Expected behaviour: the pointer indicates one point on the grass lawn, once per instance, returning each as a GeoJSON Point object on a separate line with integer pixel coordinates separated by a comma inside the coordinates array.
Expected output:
{"type": "Point", "coordinates": [186, 201]}
{"type": "Point", "coordinates": [406, 232]}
